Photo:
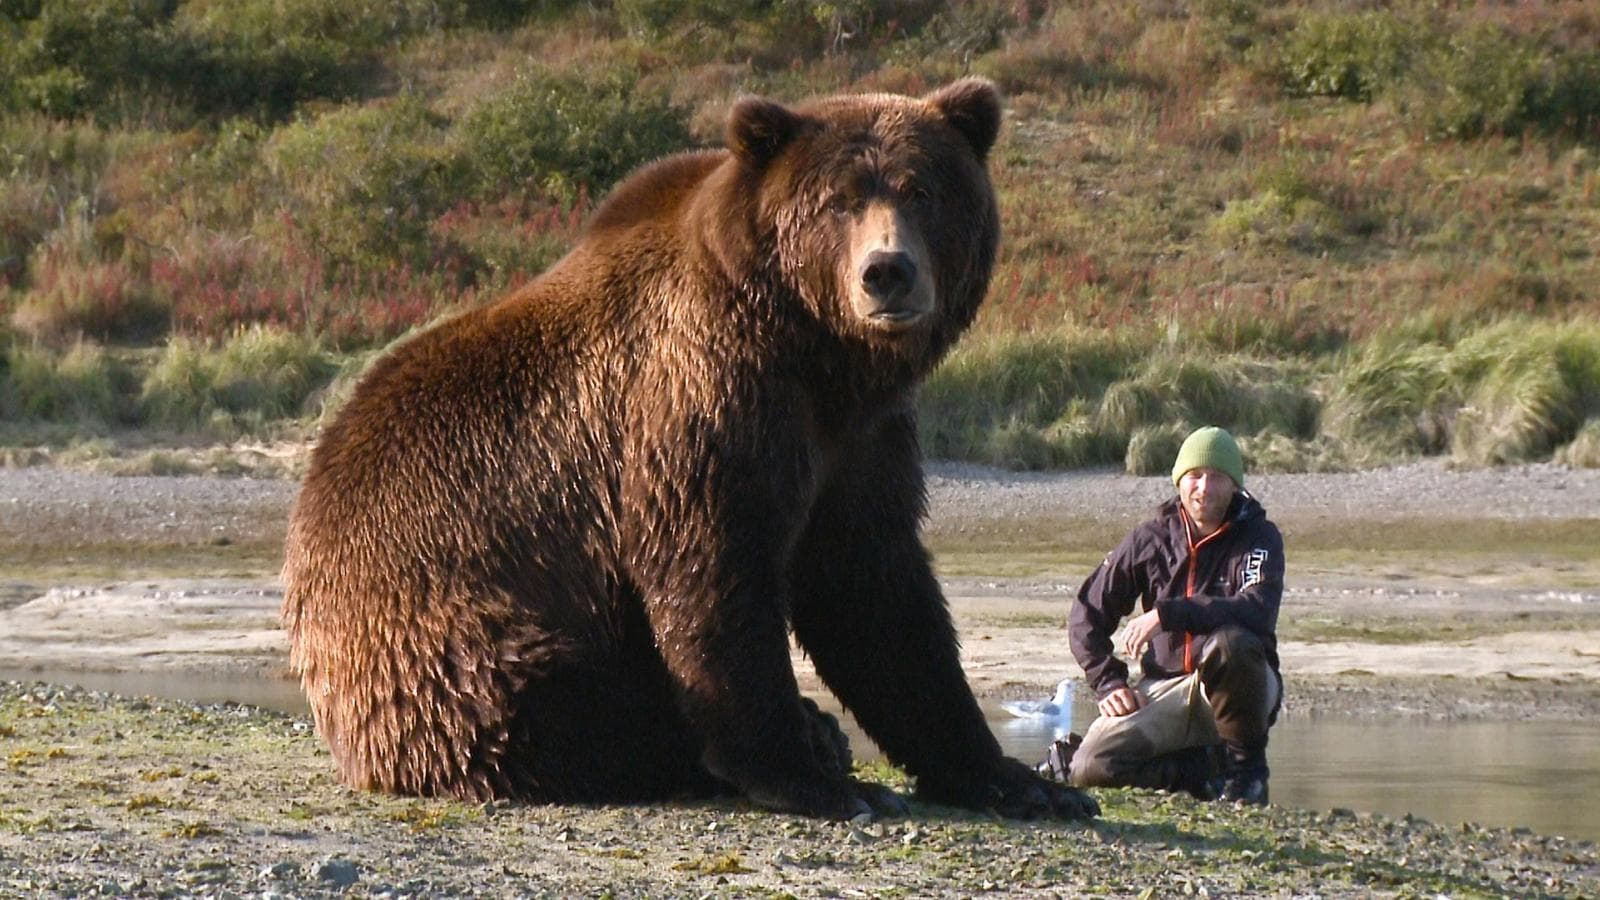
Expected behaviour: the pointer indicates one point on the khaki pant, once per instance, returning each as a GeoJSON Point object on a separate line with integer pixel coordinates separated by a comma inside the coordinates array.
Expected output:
{"type": "Point", "coordinates": [1189, 724]}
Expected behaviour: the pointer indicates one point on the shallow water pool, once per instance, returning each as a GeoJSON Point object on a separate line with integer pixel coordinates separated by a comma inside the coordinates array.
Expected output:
{"type": "Point", "coordinates": [1541, 775]}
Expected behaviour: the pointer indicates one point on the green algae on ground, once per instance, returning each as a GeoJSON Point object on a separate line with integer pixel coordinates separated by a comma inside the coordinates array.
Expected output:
{"type": "Point", "coordinates": [142, 797]}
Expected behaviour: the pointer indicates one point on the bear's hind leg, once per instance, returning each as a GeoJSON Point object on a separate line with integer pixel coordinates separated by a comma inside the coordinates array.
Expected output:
{"type": "Point", "coordinates": [608, 733]}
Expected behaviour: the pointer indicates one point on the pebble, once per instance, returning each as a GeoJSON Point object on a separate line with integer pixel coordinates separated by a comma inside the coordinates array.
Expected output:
{"type": "Point", "coordinates": [338, 872]}
{"type": "Point", "coordinates": [281, 871]}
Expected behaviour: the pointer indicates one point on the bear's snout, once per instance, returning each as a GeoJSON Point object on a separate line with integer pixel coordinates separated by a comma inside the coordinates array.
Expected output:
{"type": "Point", "coordinates": [892, 290]}
{"type": "Point", "coordinates": [887, 276]}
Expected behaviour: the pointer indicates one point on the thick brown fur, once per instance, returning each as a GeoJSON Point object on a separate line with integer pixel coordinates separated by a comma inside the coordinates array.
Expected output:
{"type": "Point", "coordinates": [552, 549]}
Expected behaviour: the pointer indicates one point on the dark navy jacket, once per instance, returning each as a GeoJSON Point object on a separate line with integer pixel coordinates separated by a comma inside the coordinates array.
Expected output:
{"type": "Point", "coordinates": [1232, 577]}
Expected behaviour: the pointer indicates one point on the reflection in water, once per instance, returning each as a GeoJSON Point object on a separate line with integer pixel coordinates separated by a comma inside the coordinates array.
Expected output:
{"type": "Point", "coordinates": [1540, 775]}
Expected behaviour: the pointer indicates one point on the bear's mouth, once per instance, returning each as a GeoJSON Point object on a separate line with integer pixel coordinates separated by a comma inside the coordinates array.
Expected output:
{"type": "Point", "coordinates": [895, 319]}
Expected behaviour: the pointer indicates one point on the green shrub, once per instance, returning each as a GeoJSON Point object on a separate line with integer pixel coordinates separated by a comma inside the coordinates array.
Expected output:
{"type": "Point", "coordinates": [66, 55]}
{"type": "Point", "coordinates": [1152, 448]}
{"type": "Point", "coordinates": [1072, 399]}
{"type": "Point", "coordinates": [994, 383]}
{"type": "Point", "coordinates": [960, 31]}
{"type": "Point", "coordinates": [25, 218]}
{"type": "Point", "coordinates": [266, 56]}
{"type": "Point", "coordinates": [508, 240]}
{"type": "Point", "coordinates": [1507, 393]}
{"type": "Point", "coordinates": [787, 30]}
{"type": "Point", "coordinates": [1234, 24]}
{"type": "Point", "coordinates": [257, 378]}
{"type": "Point", "coordinates": [651, 19]}
{"type": "Point", "coordinates": [72, 292]}
{"type": "Point", "coordinates": [1463, 77]}
{"type": "Point", "coordinates": [352, 23]}
{"type": "Point", "coordinates": [228, 57]}
{"type": "Point", "coordinates": [561, 134]}
{"type": "Point", "coordinates": [67, 160]}
{"type": "Point", "coordinates": [1393, 402]}
{"type": "Point", "coordinates": [82, 385]}
{"type": "Point", "coordinates": [230, 75]}
{"type": "Point", "coordinates": [363, 183]}
{"type": "Point", "coordinates": [1355, 56]}
{"type": "Point", "coordinates": [1583, 451]}
{"type": "Point", "coordinates": [1202, 389]}
{"type": "Point", "coordinates": [1521, 406]}
{"type": "Point", "coordinates": [1290, 208]}
{"type": "Point", "coordinates": [1486, 79]}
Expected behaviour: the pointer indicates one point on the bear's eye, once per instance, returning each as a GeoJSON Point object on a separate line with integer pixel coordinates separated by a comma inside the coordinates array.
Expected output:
{"type": "Point", "coordinates": [845, 205]}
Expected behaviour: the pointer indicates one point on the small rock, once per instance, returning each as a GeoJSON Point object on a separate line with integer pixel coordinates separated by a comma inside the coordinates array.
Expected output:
{"type": "Point", "coordinates": [338, 872]}
{"type": "Point", "coordinates": [281, 870]}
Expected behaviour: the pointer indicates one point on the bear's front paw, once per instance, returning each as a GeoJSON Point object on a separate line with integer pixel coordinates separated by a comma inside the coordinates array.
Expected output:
{"type": "Point", "coordinates": [1018, 792]}
{"type": "Point", "coordinates": [1015, 791]}
{"type": "Point", "coordinates": [885, 803]}
{"type": "Point", "coordinates": [1069, 802]}
{"type": "Point", "coordinates": [841, 798]}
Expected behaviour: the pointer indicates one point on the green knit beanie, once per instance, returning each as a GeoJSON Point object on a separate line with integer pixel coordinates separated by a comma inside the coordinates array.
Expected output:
{"type": "Point", "coordinates": [1210, 448]}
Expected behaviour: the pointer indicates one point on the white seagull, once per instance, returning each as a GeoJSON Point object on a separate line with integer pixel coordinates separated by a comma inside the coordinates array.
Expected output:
{"type": "Point", "coordinates": [1057, 707]}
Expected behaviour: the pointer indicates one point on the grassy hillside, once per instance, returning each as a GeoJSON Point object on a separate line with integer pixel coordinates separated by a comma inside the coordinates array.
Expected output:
{"type": "Point", "coordinates": [1353, 233]}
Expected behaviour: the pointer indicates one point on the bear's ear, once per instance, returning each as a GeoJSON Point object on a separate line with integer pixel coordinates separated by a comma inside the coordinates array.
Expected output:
{"type": "Point", "coordinates": [972, 106]}
{"type": "Point", "coordinates": [758, 129]}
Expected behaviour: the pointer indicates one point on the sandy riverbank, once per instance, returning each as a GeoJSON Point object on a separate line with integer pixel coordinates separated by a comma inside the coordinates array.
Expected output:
{"type": "Point", "coordinates": [1013, 643]}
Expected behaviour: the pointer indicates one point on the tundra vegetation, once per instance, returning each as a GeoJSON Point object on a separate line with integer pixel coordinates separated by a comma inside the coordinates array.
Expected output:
{"type": "Point", "coordinates": [1353, 234]}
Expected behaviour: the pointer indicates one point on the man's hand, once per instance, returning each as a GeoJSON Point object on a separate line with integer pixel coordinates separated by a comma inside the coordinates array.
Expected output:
{"type": "Point", "coordinates": [1140, 630]}
{"type": "Point", "coordinates": [1121, 702]}
{"type": "Point", "coordinates": [1125, 700]}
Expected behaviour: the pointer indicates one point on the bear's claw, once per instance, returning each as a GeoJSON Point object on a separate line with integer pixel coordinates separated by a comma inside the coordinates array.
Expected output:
{"type": "Point", "coordinates": [883, 802]}
{"type": "Point", "coordinates": [1015, 791]}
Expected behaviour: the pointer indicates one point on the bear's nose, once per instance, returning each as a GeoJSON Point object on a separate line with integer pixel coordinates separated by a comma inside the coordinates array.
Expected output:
{"type": "Point", "coordinates": [888, 275]}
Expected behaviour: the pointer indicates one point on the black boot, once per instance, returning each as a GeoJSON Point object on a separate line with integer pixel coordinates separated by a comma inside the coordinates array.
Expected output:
{"type": "Point", "coordinates": [1244, 776]}
{"type": "Point", "coordinates": [1194, 772]}
{"type": "Point", "coordinates": [1058, 758]}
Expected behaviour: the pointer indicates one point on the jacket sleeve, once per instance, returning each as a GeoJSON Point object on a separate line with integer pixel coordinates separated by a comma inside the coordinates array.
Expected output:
{"type": "Point", "coordinates": [1258, 570]}
{"type": "Point", "coordinates": [1107, 596]}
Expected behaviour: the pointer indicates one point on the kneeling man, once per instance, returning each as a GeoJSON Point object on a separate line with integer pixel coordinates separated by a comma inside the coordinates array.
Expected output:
{"type": "Point", "coordinates": [1203, 581]}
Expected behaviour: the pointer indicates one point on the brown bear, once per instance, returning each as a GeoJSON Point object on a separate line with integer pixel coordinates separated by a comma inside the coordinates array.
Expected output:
{"type": "Point", "coordinates": [553, 549]}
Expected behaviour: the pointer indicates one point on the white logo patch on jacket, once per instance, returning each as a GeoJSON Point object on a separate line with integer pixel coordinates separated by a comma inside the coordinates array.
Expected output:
{"type": "Point", "coordinates": [1253, 564]}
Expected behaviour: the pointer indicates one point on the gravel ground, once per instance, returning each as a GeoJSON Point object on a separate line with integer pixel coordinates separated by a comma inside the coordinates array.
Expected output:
{"type": "Point", "coordinates": [70, 507]}
{"type": "Point", "coordinates": [49, 503]}
{"type": "Point", "coordinates": [104, 796]}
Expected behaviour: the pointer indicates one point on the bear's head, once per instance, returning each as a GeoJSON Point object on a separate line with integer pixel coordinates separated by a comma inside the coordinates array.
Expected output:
{"type": "Point", "coordinates": [876, 210]}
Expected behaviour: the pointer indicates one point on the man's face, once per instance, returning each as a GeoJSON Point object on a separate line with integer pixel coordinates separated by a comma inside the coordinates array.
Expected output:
{"type": "Point", "coordinates": [1205, 494]}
